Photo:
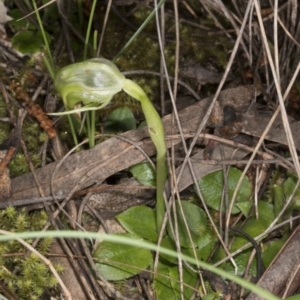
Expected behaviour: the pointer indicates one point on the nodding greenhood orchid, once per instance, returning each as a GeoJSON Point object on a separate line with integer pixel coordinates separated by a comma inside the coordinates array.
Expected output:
{"type": "Point", "coordinates": [94, 82]}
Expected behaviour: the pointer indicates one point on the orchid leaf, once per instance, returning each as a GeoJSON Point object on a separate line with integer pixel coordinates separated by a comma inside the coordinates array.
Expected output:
{"type": "Point", "coordinates": [118, 261]}
{"type": "Point", "coordinates": [196, 221]}
{"type": "Point", "coordinates": [212, 186]}
{"type": "Point", "coordinates": [120, 120]}
{"type": "Point", "coordinates": [143, 173]}
{"type": "Point", "coordinates": [28, 42]}
{"type": "Point", "coordinates": [140, 220]}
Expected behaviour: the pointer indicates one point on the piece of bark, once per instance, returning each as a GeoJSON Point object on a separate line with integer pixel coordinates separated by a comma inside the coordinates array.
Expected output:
{"type": "Point", "coordinates": [277, 275]}
{"type": "Point", "coordinates": [69, 276]}
{"type": "Point", "coordinates": [202, 75]}
{"type": "Point", "coordinates": [8, 150]}
{"type": "Point", "coordinates": [254, 123]}
{"type": "Point", "coordinates": [113, 155]}
{"type": "Point", "coordinates": [201, 169]}
{"type": "Point", "coordinates": [5, 182]}
{"type": "Point", "coordinates": [111, 202]}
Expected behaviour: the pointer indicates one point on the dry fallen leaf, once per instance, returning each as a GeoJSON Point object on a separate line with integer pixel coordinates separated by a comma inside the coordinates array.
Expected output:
{"type": "Point", "coordinates": [5, 185]}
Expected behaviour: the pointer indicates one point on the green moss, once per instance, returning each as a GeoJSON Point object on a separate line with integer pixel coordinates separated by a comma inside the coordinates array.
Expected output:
{"type": "Point", "coordinates": [19, 165]}
{"type": "Point", "coordinates": [5, 129]}
{"type": "Point", "coordinates": [25, 275]}
{"type": "Point", "coordinates": [3, 109]}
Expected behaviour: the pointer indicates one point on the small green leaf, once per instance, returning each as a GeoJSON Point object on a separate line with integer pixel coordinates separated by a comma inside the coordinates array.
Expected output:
{"type": "Point", "coordinates": [144, 174]}
{"type": "Point", "coordinates": [50, 12]}
{"type": "Point", "coordinates": [212, 186]}
{"type": "Point", "coordinates": [141, 221]}
{"type": "Point", "coordinates": [278, 199]}
{"type": "Point", "coordinates": [120, 120]}
{"type": "Point", "coordinates": [295, 297]}
{"type": "Point", "coordinates": [196, 221]}
{"type": "Point", "coordinates": [17, 24]}
{"type": "Point", "coordinates": [142, 124]}
{"type": "Point", "coordinates": [210, 296]}
{"type": "Point", "coordinates": [119, 261]}
{"type": "Point", "coordinates": [29, 42]}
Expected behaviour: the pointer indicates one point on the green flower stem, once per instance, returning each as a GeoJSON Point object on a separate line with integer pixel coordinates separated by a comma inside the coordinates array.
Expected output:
{"type": "Point", "coordinates": [88, 125]}
{"type": "Point", "coordinates": [90, 121]}
{"type": "Point", "coordinates": [157, 134]}
{"type": "Point", "coordinates": [72, 129]}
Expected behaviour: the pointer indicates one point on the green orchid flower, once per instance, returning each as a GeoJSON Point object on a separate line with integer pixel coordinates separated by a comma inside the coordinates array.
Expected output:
{"type": "Point", "coordinates": [94, 83]}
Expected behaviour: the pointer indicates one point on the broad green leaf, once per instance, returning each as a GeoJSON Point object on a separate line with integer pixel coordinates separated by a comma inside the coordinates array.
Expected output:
{"type": "Point", "coordinates": [162, 284]}
{"type": "Point", "coordinates": [206, 244]}
{"type": "Point", "coordinates": [167, 285]}
{"type": "Point", "coordinates": [196, 221]}
{"type": "Point", "coordinates": [288, 187]}
{"type": "Point", "coordinates": [212, 186]}
{"type": "Point", "coordinates": [195, 217]}
{"type": "Point", "coordinates": [144, 174]}
{"type": "Point", "coordinates": [120, 120]}
{"type": "Point", "coordinates": [244, 207]}
{"type": "Point", "coordinates": [190, 252]}
{"type": "Point", "coordinates": [189, 279]}
{"type": "Point", "coordinates": [29, 42]}
{"type": "Point", "coordinates": [266, 212]}
{"type": "Point", "coordinates": [168, 243]}
{"type": "Point", "coordinates": [271, 250]}
{"type": "Point", "coordinates": [119, 261]}
{"type": "Point", "coordinates": [141, 221]}
{"type": "Point", "coordinates": [253, 228]}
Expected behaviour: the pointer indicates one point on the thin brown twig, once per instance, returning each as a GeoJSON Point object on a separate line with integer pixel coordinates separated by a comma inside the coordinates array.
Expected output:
{"type": "Point", "coordinates": [104, 27]}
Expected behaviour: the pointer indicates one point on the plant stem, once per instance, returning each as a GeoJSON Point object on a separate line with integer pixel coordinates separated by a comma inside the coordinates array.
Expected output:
{"type": "Point", "coordinates": [92, 128]}
{"type": "Point", "coordinates": [80, 13]}
{"type": "Point", "coordinates": [72, 129]}
{"type": "Point", "coordinates": [161, 2]}
{"type": "Point", "coordinates": [157, 134]}
{"type": "Point", "coordinates": [50, 64]}
{"type": "Point", "coordinates": [88, 31]}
